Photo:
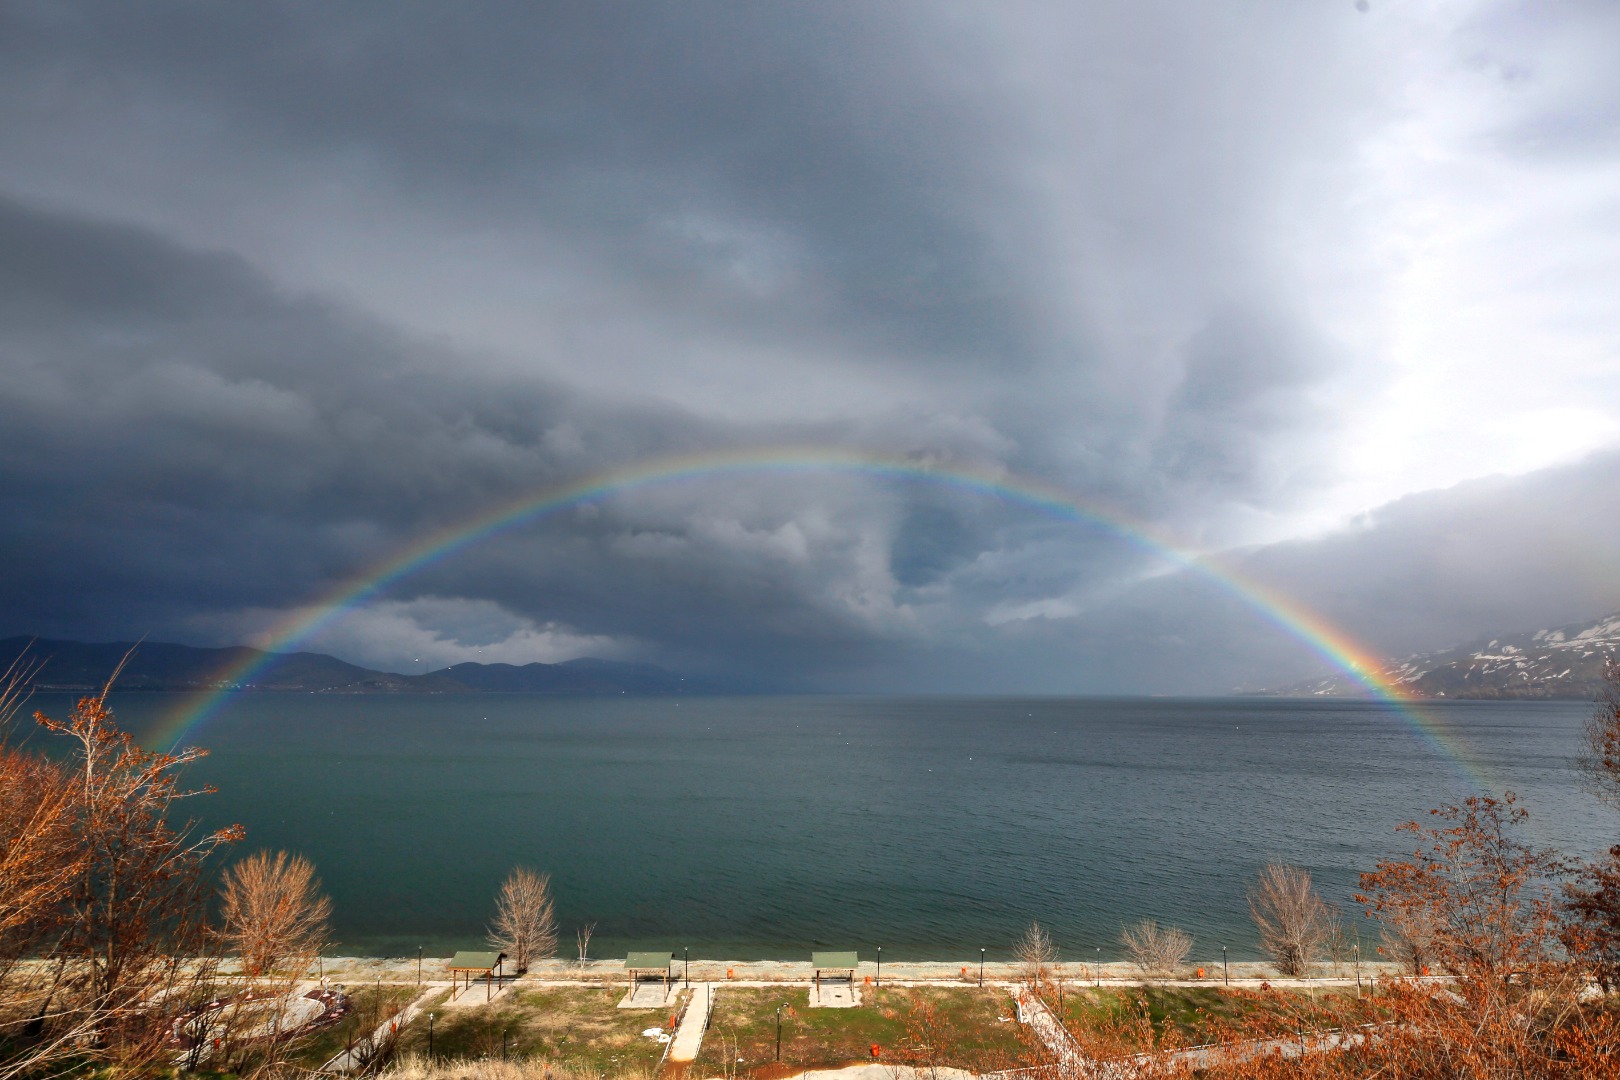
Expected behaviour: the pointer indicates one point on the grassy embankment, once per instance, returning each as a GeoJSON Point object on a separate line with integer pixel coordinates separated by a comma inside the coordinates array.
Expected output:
{"type": "Point", "coordinates": [945, 1026]}
{"type": "Point", "coordinates": [579, 1029]}
{"type": "Point", "coordinates": [1185, 1014]}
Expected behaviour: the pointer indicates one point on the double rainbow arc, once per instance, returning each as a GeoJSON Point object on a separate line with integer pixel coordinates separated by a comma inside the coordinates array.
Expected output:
{"type": "Point", "coordinates": [1292, 618]}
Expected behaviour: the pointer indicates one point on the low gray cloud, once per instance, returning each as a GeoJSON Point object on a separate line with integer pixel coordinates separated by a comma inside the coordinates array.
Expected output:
{"type": "Point", "coordinates": [1242, 385]}
{"type": "Point", "coordinates": [1428, 572]}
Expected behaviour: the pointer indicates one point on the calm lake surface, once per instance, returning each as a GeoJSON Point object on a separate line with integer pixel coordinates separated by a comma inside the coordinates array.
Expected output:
{"type": "Point", "coordinates": [759, 827]}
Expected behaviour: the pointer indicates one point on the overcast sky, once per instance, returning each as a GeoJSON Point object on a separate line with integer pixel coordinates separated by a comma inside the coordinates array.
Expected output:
{"type": "Point", "coordinates": [1330, 288]}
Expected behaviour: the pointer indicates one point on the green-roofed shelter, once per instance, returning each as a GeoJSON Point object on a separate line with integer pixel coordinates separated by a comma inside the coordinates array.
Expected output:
{"type": "Point", "coordinates": [834, 962]}
{"type": "Point", "coordinates": [637, 964]}
{"type": "Point", "coordinates": [473, 965]}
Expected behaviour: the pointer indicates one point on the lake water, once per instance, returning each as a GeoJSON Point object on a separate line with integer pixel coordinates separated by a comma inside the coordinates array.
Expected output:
{"type": "Point", "coordinates": [760, 827]}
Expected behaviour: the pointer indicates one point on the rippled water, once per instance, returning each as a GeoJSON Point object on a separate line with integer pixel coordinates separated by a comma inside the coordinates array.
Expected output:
{"type": "Point", "coordinates": [757, 827]}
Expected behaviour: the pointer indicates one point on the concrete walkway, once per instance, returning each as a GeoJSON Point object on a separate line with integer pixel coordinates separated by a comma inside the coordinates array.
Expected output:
{"type": "Point", "coordinates": [353, 969]}
{"type": "Point", "coordinates": [365, 1050]}
{"type": "Point", "coordinates": [689, 1035]}
{"type": "Point", "coordinates": [1033, 1013]}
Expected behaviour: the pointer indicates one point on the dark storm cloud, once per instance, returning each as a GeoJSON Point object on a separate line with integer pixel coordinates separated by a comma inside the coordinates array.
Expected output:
{"type": "Point", "coordinates": [624, 130]}
{"type": "Point", "coordinates": [285, 287]}
{"type": "Point", "coordinates": [172, 411]}
{"type": "Point", "coordinates": [184, 440]}
{"type": "Point", "coordinates": [867, 186]}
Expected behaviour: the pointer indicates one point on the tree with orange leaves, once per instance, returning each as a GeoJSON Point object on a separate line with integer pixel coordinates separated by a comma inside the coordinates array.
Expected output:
{"type": "Point", "coordinates": [1506, 999]}
{"type": "Point", "coordinates": [114, 901]}
{"type": "Point", "coordinates": [1594, 894]}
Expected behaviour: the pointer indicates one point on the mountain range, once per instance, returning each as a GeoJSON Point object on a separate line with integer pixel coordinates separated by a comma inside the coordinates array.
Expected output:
{"type": "Point", "coordinates": [77, 665]}
{"type": "Point", "coordinates": [1564, 662]}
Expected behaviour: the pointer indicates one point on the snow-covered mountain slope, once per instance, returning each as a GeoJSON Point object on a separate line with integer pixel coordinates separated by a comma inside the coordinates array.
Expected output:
{"type": "Point", "coordinates": [1562, 662]}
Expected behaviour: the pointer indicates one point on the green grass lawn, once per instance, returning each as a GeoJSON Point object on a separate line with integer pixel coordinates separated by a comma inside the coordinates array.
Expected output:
{"type": "Point", "coordinates": [1188, 1011]}
{"type": "Point", "coordinates": [951, 1026]}
{"type": "Point", "coordinates": [580, 1028]}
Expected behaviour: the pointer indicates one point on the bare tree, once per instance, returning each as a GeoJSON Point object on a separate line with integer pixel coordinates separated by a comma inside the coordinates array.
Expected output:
{"type": "Point", "coordinates": [1155, 949]}
{"type": "Point", "coordinates": [16, 685]}
{"type": "Point", "coordinates": [1036, 952]}
{"type": "Point", "coordinates": [1600, 758]}
{"type": "Point", "coordinates": [582, 938]}
{"type": "Point", "coordinates": [273, 910]}
{"type": "Point", "coordinates": [1294, 922]}
{"type": "Point", "coordinates": [1409, 944]}
{"type": "Point", "coordinates": [525, 926]}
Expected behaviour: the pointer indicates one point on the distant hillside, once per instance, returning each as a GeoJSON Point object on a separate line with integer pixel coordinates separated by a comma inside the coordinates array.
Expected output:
{"type": "Point", "coordinates": [76, 665]}
{"type": "Point", "coordinates": [1562, 662]}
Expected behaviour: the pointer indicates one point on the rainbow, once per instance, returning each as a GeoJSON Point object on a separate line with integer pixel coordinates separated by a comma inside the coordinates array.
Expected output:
{"type": "Point", "coordinates": [1290, 617]}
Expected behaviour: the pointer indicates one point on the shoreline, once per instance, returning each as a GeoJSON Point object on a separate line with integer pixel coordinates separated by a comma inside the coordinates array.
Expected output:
{"type": "Point", "coordinates": [766, 972]}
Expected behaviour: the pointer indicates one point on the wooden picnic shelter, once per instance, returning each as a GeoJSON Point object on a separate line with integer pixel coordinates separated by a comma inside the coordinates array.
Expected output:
{"type": "Point", "coordinates": [474, 965]}
{"type": "Point", "coordinates": [834, 962]}
{"type": "Point", "coordinates": [637, 964]}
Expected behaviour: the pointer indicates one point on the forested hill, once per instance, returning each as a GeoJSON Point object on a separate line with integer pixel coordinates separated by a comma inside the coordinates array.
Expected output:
{"type": "Point", "coordinates": [77, 665]}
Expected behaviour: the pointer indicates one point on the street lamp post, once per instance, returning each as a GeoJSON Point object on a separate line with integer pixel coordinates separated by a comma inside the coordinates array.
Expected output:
{"type": "Point", "coordinates": [779, 1009]}
{"type": "Point", "coordinates": [880, 968]}
{"type": "Point", "coordinates": [430, 1035]}
{"type": "Point", "coordinates": [686, 966]}
{"type": "Point", "coordinates": [1099, 965]}
{"type": "Point", "coordinates": [1226, 972]}
{"type": "Point", "coordinates": [419, 965]}
{"type": "Point", "coordinates": [1358, 969]}
{"type": "Point", "coordinates": [981, 967]}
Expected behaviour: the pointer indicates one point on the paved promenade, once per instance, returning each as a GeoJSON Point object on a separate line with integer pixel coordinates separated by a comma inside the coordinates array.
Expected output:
{"type": "Point", "coordinates": [357, 970]}
{"type": "Point", "coordinates": [689, 1035]}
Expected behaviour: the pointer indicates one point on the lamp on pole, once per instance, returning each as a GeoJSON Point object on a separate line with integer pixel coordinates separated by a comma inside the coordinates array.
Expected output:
{"type": "Point", "coordinates": [419, 965]}
{"type": "Point", "coordinates": [430, 1035]}
{"type": "Point", "coordinates": [686, 966]}
{"type": "Point", "coordinates": [1226, 972]}
{"type": "Point", "coordinates": [779, 1009]}
{"type": "Point", "coordinates": [880, 968]}
{"type": "Point", "coordinates": [981, 967]}
{"type": "Point", "coordinates": [1358, 969]}
{"type": "Point", "coordinates": [1099, 965]}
